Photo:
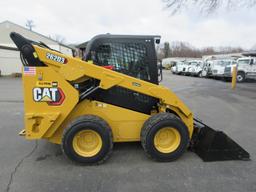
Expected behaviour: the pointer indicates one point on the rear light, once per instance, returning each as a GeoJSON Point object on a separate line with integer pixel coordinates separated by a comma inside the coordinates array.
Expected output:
{"type": "Point", "coordinates": [109, 67]}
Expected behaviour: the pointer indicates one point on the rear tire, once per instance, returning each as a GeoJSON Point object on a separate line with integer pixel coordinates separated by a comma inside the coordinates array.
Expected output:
{"type": "Point", "coordinates": [164, 137]}
{"type": "Point", "coordinates": [240, 77]}
{"type": "Point", "coordinates": [87, 140]}
{"type": "Point", "coordinates": [204, 73]}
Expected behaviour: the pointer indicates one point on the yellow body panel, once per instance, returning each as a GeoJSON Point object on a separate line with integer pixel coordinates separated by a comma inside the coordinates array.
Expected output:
{"type": "Point", "coordinates": [43, 120]}
{"type": "Point", "coordinates": [125, 124]}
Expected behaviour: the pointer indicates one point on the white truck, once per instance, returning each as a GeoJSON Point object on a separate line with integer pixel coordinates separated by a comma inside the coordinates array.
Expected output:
{"type": "Point", "coordinates": [174, 68]}
{"type": "Point", "coordinates": [184, 68]}
{"type": "Point", "coordinates": [246, 69]}
{"type": "Point", "coordinates": [178, 68]}
{"type": "Point", "coordinates": [219, 66]}
{"type": "Point", "coordinates": [195, 68]}
{"type": "Point", "coordinates": [207, 69]}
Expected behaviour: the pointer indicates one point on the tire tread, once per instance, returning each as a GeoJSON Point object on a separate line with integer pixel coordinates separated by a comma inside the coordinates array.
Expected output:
{"type": "Point", "coordinates": [151, 122]}
{"type": "Point", "coordinates": [93, 119]}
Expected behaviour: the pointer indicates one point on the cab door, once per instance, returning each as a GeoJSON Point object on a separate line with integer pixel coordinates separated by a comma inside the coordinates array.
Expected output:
{"type": "Point", "coordinates": [253, 68]}
{"type": "Point", "coordinates": [135, 57]}
{"type": "Point", "coordinates": [132, 56]}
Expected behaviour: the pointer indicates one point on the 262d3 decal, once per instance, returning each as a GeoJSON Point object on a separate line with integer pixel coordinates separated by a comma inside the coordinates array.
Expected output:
{"type": "Point", "coordinates": [48, 92]}
{"type": "Point", "coordinates": [56, 58]}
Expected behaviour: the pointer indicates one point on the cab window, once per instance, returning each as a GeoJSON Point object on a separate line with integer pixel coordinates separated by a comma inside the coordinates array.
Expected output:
{"type": "Point", "coordinates": [244, 62]}
{"type": "Point", "coordinates": [127, 58]}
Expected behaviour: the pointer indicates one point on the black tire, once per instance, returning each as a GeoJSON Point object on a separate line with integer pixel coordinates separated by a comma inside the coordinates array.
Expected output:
{"type": "Point", "coordinates": [154, 124]}
{"type": "Point", "coordinates": [240, 77]}
{"type": "Point", "coordinates": [200, 74]}
{"type": "Point", "coordinates": [88, 122]}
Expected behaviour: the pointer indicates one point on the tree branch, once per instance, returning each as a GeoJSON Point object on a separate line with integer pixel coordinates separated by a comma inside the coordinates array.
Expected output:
{"type": "Point", "coordinates": [207, 6]}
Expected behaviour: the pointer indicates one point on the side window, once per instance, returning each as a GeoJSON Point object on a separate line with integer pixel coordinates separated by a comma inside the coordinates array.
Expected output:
{"type": "Point", "coordinates": [127, 58]}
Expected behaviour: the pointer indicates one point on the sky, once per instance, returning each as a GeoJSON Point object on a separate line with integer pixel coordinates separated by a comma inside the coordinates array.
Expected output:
{"type": "Point", "coordinates": [80, 20]}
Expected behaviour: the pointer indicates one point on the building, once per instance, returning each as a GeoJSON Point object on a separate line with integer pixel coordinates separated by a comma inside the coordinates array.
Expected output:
{"type": "Point", "coordinates": [222, 56]}
{"type": "Point", "coordinates": [9, 55]}
{"type": "Point", "coordinates": [170, 61]}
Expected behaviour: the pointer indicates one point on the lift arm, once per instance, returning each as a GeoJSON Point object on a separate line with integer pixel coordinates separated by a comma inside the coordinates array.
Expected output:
{"type": "Point", "coordinates": [74, 69]}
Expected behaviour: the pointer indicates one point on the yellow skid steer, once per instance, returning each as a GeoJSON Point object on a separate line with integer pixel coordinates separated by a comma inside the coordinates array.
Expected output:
{"type": "Point", "coordinates": [111, 95]}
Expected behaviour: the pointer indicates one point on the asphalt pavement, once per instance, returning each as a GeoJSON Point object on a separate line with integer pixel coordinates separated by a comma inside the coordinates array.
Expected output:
{"type": "Point", "coordinates": [29, 166]}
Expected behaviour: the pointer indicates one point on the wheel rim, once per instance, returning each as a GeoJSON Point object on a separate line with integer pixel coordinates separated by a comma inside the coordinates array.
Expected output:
{"type": "Point", "coordinates": [239, 78]}
{"type": "Point", "coordinates": [167, 140]}
{"type": "Point", "coordinates": [87, 143]}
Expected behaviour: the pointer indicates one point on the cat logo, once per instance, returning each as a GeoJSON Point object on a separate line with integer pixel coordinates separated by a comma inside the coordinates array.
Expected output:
{"type": "Point", "coordinates": [49, 93]}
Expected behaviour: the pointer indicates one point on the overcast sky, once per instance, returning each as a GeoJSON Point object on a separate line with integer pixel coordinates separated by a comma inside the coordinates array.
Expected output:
{"type": "Point", "coordinates": [79, 20]}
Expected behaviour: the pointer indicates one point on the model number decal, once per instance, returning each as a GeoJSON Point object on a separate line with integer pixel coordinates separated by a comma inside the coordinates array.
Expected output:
{"type": "Point", "coordinates": [55, 58]}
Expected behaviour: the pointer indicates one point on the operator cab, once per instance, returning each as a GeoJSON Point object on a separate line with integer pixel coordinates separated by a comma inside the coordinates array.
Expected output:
{"type": "Point", "coordinates": [133, 55]}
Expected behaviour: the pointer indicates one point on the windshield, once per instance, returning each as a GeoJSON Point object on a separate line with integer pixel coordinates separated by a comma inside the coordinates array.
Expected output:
{"type": "Point", "coordinates": [186, 63]}
{"type": "Point", "coordinates": [226, 63]}
{"type": "Point", "coordinates": [222, 63]}
{"type": "Point", "coordinates": [179, 63]}
{"type": "Point", "coordinates": [194, 63]}
{"type": "Point", "coordinates": [244, 61]}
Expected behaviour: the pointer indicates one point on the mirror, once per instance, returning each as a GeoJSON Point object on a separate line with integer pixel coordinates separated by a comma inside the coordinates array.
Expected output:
{"type": "Point", "coordinates": [157, 41]}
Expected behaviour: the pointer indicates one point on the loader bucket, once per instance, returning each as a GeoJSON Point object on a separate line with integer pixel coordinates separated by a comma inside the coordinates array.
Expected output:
{"type": "Point", "coordinates": [214, 145]}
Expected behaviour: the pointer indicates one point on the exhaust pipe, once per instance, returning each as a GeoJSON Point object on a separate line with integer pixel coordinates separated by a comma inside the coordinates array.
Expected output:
{"type": "Point", "coordinates": [213, 145]}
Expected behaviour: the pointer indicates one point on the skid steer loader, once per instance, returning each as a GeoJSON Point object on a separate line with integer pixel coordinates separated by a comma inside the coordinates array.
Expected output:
{"type": "Point", "coordinates": [111, 95]}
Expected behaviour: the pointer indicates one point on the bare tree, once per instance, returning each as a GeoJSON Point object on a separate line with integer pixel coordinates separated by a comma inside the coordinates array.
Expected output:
{"type": "Point", "coordinates": [184, 49]}
{"type": "Point", "coordinates": [207, 6]}
{"type": "Point", "coordinates": [30, 24]}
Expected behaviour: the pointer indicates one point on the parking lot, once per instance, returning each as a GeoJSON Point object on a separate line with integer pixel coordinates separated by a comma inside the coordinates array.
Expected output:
{"type": "Point", "coordinates": [27, 166]}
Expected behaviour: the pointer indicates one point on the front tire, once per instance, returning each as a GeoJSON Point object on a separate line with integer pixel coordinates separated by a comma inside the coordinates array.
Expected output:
{"type": "Point", "coordinates": [164, 137]}
{"type": "Point", "coordinates": [87, 140]}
